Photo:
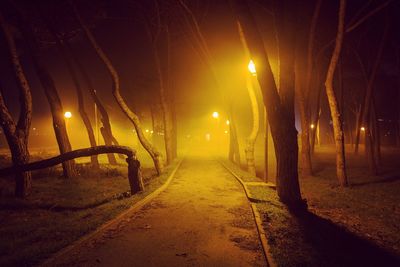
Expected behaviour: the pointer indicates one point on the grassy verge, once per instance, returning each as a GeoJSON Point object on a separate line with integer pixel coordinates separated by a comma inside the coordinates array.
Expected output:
{"type": "Point", "coordinates": [29, 235]}
{"type": "Point", "coordinates": [312, 239]}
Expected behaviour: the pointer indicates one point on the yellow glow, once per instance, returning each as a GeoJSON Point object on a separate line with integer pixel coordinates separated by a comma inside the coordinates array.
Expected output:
{"type": "Point", "coordinates": [252, 67]}
{"type": "Point", "coordinates": [226, 131]}
{"type": "Point", "coordinates": [227, 122]}
{"type": "Point", "coordinates": [312, 126]}
{"type": "Point", "coordinates": [362, 129]}
{"type": "Point", "coordinates": [215, 115]}
{"type": "Point", "coordinates": [147, 130]}
{"type": "Point", "coordinates": [67, 114]}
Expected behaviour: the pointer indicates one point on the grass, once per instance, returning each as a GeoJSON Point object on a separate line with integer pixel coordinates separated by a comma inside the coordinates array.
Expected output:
{"type": "Point", "coordinates": [354, 226]}
{"type": "Point", "coordinates": [30, 235]}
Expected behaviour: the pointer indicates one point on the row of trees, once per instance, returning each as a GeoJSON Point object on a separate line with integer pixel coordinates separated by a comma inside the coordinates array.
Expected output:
{"type": "Point", "coordinates": [305, 68]}
{"type": "Point", "coordinates": [17, 133]}
{"type": "Point", "coordinates": [298, 73]}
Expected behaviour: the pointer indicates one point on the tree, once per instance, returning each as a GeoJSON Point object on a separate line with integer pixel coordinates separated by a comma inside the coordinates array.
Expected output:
{"type": "Point", "coordinates": [251, 139]}
{"type": "Point", "coordinates": [106, 130]}
{"type": "Point", "coordinates": [17, 133]}
{"type": "Point", "coordinates": [280, 108]}
{"type": "Point", "coordinates": [81, 103]}
{"type": "Point", "coordinates": [332, 100]}
{"type": "Point", "coordinates": [303, 88]}
{"type": "Point", "coordinates": [154, 154]}
{"type": "Point", "coordinates": [198, 41]}
{"type": "Point", "coordinates": [161, 27]}
{"type": "Point", "coordinates": [51, 93]}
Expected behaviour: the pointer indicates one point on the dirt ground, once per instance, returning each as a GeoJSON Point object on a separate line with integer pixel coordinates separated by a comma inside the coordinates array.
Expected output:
{"type": "Point", "coordinates": [201, 219]}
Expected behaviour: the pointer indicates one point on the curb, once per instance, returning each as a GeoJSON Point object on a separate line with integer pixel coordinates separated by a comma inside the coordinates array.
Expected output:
{"type": "Point", "coordinates": [89, 237]}
{"type": "Point", "coordinates": [257, 218]}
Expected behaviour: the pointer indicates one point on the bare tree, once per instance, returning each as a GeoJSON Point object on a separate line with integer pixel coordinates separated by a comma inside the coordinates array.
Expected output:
{"type": "Point", "coordinates": [17, 133]}
{"type": "Point", "coordinates": [155, 155]}
{"type": "Point", "coordinates": [251, 139]}
{"type": "Point", "coordinates": [332, 100]}
{"type": "Point", "coordinates": [303, 88]}
{"type": "Point", "coordinates": [280, 108]}
{"type": "Point", "coordinates": [161, 27]}
{"type": "Point", "coordinates": [51, 93]}
{"type": "Point", "coordinates": [106, 130]}
{"type": "Point", "coordinates": [81, 103]}
{"type": "Point", "coordinates": [201, 47]}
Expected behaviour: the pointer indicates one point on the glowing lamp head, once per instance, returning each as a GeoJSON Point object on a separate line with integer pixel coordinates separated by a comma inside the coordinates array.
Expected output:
{"type": "Point", "coordinates": [68, 114]}
{"type": "Point", "coordinates": [362, 129]}
{"type": "Point", "coordinates": [227, 122]}
{"type": "Point", "coordinates": [312, 126]}
{"type": "Point", "coordinates": [215, 115]}
{"type": "Point", "coordinates": [252, 68]}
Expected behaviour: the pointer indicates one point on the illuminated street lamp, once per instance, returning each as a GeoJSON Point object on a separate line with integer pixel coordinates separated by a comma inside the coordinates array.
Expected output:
{"type": "Point", "coordinates": [362, 129]}
{"type": "Point", "coordinates": [312, 126]}
{"type": "Point", "coordinates": [67, 114]}
{"type": "Point", "coordinates": [252, 68]}
{"type": "Point", "coordinates": [227, 122]}
{"type": "Point", "coordinates": [215, 115]}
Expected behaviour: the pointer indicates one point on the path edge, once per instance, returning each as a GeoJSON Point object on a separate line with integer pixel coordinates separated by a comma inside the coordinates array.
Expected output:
{"type": "Point", "coordinates": [257, 218]}
{"type": "Point", "coordinates": [135, 207]}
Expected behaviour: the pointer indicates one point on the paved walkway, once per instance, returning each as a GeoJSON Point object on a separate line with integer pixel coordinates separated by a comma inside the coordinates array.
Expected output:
{"type": "Point", "coordinates": [201, 219]}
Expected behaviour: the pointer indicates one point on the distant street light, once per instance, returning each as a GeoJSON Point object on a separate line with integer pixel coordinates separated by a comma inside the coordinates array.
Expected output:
{"type": "Point", "coordinates": [252, 68]}
{"type": "Point", "coordinates": [362, 129]}
{"type": "Point", "coordinates": [312, 126]}
{"type": "Point", "coordinates": [227, 122]}
{"type": "Point", "coordinates": [67, 114]}
{"type": "Point", "coordinates": [215, 115]}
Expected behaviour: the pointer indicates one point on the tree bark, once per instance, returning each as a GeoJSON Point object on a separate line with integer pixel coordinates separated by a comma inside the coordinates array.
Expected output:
{"type": "Point", "coordinates": [333, 104]}
{"type": "Point", "coordinates": [154, 154]}
{"type": "Point", "coordinates": [279, 108]}
{"type": "Point", "coordinates": [52, 96]}
{"type": "Point", "coordinates": [17, 133]}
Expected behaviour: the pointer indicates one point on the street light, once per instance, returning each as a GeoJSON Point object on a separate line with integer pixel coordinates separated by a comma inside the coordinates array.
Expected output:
{"type": "Point", "coordinates": [252, 68]}
{"type": "Point", "coordinates": [312, 126]}
{"type": "Point", "coordinates": [215, 115]}
{"type": "Point", "coordinates": [67, 114]}
{"type": "Point", "coordinates": [227, 122]}
{"type": "Point", "coordinates": [362, 129]}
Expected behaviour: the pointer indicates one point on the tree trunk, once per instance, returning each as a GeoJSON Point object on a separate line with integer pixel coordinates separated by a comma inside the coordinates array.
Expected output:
{"type": "Point", "coordinates": [333, 104]}
{"type": "Point", "coordinates": [266, 126]}
{"type": "Point", "coordinates": [106, 133]}
{"type": "Point", "coordinates": [165, 107]}
{"type": "Point", "coordinates": [251, 139]}
{"type": "Point", "coordinates": [370, 85]}
{"type": "Point", "coordinates": [52, 96]}
{"type": "Point", "coordinates": [75, 80]}
{"type": "Point", "coordinates": [134, 171]}
{"type": "Point", "coordinates": [17, 133]}
{"type": "Point", "coordinates": [155, 155]}
{"type": "Point", "coordinates": [234, 151]}
{"type": "Point", "coordinates": [305, 157]}
{"type": "Point", "coordinates": [280, 109]}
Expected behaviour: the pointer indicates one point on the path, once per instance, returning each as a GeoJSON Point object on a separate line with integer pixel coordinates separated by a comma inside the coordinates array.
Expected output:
{"type": "Point", "coordinates": [201, 219]}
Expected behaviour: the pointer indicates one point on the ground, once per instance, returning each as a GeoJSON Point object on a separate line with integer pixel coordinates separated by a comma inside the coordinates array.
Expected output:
{"type": "Point", "coordinates": [202, 219]}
